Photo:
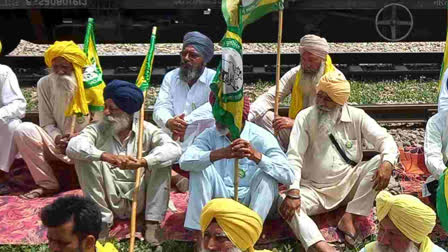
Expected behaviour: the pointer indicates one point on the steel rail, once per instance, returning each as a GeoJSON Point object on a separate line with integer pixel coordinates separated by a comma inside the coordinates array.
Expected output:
{"type": "Point", "coordinates": [382, 113]}
{"type": "Point", "coordinates": [256, 66]}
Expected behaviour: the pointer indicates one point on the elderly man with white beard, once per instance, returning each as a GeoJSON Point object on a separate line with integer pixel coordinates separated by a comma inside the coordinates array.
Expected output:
{"type": "Point", "coordinates": [299, 82]}
{"type": "Point", "coordinates": [46, 142]}
{"type": "Point", "coordinates": [104, 155]}
{"type": "Point", "coordinates": [182, 109]}
{"type": "Point", "coordinates": [325, 152]}
{"type": "Point", "coordinates": [404, 225]}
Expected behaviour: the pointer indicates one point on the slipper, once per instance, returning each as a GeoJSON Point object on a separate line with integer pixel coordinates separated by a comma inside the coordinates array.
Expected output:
{"type": "Point", "coordinates": [37, 193]}
{"type": "Point", "coordinates": [4, 189]}
{"type": "Point", "coordinates": [353, 237]}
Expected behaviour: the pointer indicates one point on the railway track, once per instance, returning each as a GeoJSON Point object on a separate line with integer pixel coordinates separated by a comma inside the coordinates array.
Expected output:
{"type": "Point", "coordinates": [387, 113]}
{"type": "Point", "coordinates": [364, 66]}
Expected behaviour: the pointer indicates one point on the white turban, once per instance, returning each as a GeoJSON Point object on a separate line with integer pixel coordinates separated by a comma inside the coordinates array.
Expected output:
{"type": "Point", "coordinates": [315, 45]}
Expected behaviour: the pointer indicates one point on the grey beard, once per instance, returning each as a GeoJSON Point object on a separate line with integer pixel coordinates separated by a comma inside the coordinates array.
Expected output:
{"type": "Point", "coordinates": [189, 74]}
{"type": "Point", "coordinates": [323, 122]}
{"type": "Point", "coordinates": [116, 123]}
{"type": "Point", "coordinates": [313, 77]}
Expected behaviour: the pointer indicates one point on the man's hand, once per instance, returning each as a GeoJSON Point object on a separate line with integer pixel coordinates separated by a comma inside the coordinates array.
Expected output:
{"type": "Point", "coordinates": [289, 205]}
{"type": "Point", "coordinates": [61, 142]}
{"type": "Point", "coordinates": [241, 148]}
{"type": "Point", "coordinates": [281, 122]}
{"type": "Point", "coordinates": [177, 125]}
{"type": "Point", "coordinates": [123, 162]}
{"type": "Point", "coordinates": [382, 176]}
{"type": "Point", "coordinates": [134, 163]}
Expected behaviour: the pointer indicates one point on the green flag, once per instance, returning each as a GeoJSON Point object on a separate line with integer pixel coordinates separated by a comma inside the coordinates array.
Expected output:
{"type": "Point", "coordinates": [144, 76]}
{"type": "Point", "coordinates": [227, 84]}
{"type": "Point", "coordinates": [93, 74]}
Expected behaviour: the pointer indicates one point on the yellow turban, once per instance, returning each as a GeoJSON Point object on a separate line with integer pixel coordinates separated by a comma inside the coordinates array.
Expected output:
{"type": "Point", "coordinates": [242, 225]}
{"type": "Point", "coordinates": [72, 53]}
{"type": "Point", "coordinates": [336, 86]}
{"type": "Point", "coordinates": [411, 216]}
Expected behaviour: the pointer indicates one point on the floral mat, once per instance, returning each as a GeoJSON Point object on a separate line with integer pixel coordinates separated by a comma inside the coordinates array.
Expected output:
{"type": "Point", "coordinates": [20, 222]}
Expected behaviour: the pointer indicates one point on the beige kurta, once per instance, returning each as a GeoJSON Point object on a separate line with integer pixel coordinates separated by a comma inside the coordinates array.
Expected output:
{"type": "Point", "coordinates": [110, 187]}
{"type": "Point", "coordinates": [36, 143]}
{"type": "Point", "coordinates": [324, 179]}
{"type": "Point", "coordinates": [318, 165]}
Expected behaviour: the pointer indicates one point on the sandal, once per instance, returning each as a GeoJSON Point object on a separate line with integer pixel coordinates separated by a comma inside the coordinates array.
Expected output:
{"type": "Point", "coordinates": [37, 193]}
{"type": "Point", "coordinates": [351, 241]}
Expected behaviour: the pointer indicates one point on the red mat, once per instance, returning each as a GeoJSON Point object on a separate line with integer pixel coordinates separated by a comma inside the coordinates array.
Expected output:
{"type": "Point", "coordinates": [20, 223]}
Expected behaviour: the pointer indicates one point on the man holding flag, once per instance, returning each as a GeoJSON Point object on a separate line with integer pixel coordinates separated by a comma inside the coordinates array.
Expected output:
{"type": "Point", "coordinates": [210, 161]}
{"type": "Point", "coordinates": [66, 106]}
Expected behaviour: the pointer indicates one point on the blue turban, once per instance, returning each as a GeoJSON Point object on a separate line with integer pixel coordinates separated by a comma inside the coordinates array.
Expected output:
{"type": "Point", "coordinates": [127, 96]}
{"type": "Point", "coordinates": [201, 43]}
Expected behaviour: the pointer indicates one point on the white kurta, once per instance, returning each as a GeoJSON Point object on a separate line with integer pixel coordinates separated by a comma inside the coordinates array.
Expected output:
{"type": "Point", "coordinates": [436, 142]}
{"type": "Point", "coordinates": [176, 97]}
{"type": "Point", "coordinates": [443, 95]}
{"type": "Point", "coordinates": [12, 109]}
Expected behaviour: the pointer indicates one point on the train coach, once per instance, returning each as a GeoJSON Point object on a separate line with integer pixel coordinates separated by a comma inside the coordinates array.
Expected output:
{"type": "Point", "coordinates": [130, 21]}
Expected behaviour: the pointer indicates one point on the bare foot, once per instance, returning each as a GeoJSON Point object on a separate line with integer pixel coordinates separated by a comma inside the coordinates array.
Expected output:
{"type": "Point", "coordinates": [322, 246]}
{"type": "Point", "coordinates": [38, 192]}
{"type": "Point", "coordinates": [347, 226]}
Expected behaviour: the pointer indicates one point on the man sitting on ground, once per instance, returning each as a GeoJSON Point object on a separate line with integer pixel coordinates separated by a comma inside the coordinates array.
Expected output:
{"type": "Point", "coordinates": [74, 224]}
{"type": "Point", "coordinates": [182, 107]}
{"type": "Point", "coordinates": [300, 82]}
{"type": "Point", "coordinates": [56, 94]}
{"type": "Point", "coordinates": [105, 160]}
{"type": "Point", "coordinates": [436, 155]}
{"type": "Point", "coordinates": [325, 151]}
{"type": "Point", "coordinates": [229, 226]}
{"type": "Point", "coordinates": [405, 223]}
{"type": "Point", "coordinates": [210, 161]}
{"type": "Point", "coordinates": [12, 108]}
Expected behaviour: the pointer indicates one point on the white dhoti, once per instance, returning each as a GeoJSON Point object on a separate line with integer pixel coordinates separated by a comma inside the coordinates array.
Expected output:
{"type": "Point", "coordinates": [359, 201]}
{"type": "Point", "coordinates": [112, 189]}
{"type": "Point", "coordinates": [38, 149]}
{"type": "Point", "coordinates": [9, 149]}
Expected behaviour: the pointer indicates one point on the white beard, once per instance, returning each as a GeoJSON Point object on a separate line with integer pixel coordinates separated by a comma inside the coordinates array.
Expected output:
{"type": "Point", "coordinates": [64, 87]}
{"type": "Point", "coordinates": [229, 250]}
{"type": "Point", "coordinates": [116, 123]}
{"type": "Point", "coordinates": [323, 122]}
{"type": "Point", "coordinates": [411, 248]}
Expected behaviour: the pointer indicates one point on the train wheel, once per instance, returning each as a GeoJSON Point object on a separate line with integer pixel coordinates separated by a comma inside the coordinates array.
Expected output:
{"type": "Point", "coordinates": [394, 22]}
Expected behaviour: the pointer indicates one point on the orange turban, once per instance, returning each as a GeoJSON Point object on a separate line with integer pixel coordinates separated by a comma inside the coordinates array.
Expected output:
{"type": "Point", "coordinates": [336, 86]}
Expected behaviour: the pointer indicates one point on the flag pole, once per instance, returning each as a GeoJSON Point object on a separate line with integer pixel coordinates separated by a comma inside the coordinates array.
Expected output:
{"type": "Point", "coordinates": [236, 180]}
{"type": "Point", "coordinates": [277, 72]}
{"type": "Point", "coordinates": [72, 125]}
{"type": "Point", "coordinates": [139, 156]}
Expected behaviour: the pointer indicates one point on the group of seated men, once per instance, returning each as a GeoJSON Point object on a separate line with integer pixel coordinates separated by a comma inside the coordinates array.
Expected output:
{"type": "Point", "coordinates": [322, 166]}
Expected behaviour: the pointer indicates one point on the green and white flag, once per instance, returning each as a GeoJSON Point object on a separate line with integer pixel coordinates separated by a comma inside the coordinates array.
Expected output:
{"type": "Point", "coordinates": [227, 84]}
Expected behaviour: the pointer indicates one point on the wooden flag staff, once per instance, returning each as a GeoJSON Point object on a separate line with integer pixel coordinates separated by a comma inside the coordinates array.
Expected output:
{"type": "Point", "coordinates": [140, 170]}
